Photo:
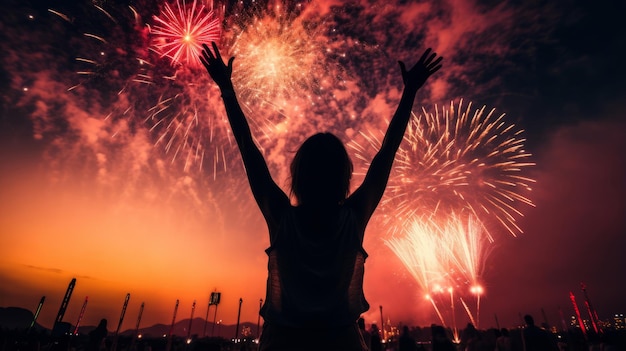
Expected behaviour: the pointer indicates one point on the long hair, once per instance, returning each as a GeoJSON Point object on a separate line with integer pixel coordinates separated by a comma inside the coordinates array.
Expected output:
{"type": "Point", "coordinates": [321, 171]}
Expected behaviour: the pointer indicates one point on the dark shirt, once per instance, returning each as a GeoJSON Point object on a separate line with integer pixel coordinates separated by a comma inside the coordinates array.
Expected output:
{"type": "Point", "coordinates": [315, 279]}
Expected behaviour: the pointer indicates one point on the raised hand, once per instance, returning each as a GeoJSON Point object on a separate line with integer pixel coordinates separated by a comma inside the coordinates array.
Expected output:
{"type": "Point", "coordinates": [415, 77]}
{"type": "Point", "coordinates": [219, 72]}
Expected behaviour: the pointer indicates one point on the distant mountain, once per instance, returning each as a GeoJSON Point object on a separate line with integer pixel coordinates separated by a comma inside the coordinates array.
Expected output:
{"type": "Point", "coordinates": [16, 318]}
{"type": "Point", "coordinates": [181, 329]}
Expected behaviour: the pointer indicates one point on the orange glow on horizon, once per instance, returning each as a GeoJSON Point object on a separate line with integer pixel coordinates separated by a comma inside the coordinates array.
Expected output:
{"type": "Point", "coordinates": [113, 248]}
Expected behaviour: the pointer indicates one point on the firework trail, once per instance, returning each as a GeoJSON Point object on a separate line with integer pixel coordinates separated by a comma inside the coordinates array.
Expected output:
{"type": "Point", "coordinates": [455, 330]}
{"type": "Point", "coordinates": [467, 310]}
{"type": "Point", "coordinates": [443, 322]}
{"type": "Point", "coordinates": [443, 256]}
{"type": "Point", "coordinates": [421, 252]}
{"type": "Point", "coordinates": [477, 290]}
{"type": "Point", "coordinates": [442, 253]}
{"type": "Point", "coordinates": [467, 247]}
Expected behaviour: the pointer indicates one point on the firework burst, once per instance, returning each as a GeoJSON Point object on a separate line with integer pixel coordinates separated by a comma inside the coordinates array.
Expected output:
{"type": "Point", "coordinates": [181, 29]}
{"type": "Point", "coordinates": [457, 160]}
{"type": "Point", "coordinates": [276, 59]}
{"type": "Point", "coordinates": [282, 70]}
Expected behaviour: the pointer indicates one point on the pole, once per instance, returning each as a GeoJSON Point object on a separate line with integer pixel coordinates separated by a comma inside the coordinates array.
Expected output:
{"type": "Point", "coordinates": [136, 334]}
{"type": "Point", "coordinates": [214, 300]}
{"type": "Point", "coordinates": [80, 316]}
{"type": "Point", "coordinates": [238, 316]}
{"type": "Point", "coordinates": [57, 329]}
{"type": "Point", "coordinates": [206, 318]}
{"type": "Point", "coordinates": [168, 347]}
{"type": "Point", "coordinates": [66, 301]}
{"type": "Point", "coordinates": [32, 324]}
{"type": "Point", "coordinates": [119, 324]}
{"type": "Point", "coordinates": [593, 316]}
{"type": "Point", "coordinates": [580, 320]}
{"type": "Point", "coordinates": [139, 318]}
{"type": "Point", "coordinates": [193, 308]}
{"type": "Point", "coordinates": [382, 322]}
{"type": "Point", "coordinates": [258, 321]}
{"type": "Point", "coordinates": [214, 319]}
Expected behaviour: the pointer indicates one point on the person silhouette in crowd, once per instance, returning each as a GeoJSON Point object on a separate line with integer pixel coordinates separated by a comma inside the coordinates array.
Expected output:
{"type": "Point", "coordinates": [406, 341]}
{"type": "Point", "coordinates": [440, 340]}
{"type": "Point", "coordinates": [503, 341]}
{"type": "Point", "coordinates": [97, 336]}
{"type": "Point", "coordinates": [316, 258]}
{"type": "Point", "coordinates": [537, 339]}
{"type": "Point", "coordinates": [367, 337]}
{"type": "Point", "coordinates": [375, 338]}
{"type": "Point", "coordinates": [470, 338]}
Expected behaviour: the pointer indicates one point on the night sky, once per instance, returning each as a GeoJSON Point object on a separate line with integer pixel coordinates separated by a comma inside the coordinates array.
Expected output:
{"type": "Point", "coordinates": [96, 184]}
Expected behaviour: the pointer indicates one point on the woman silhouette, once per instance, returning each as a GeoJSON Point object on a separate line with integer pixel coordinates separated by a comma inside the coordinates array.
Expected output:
{"type": "Point", "coordinates": [316, 260]}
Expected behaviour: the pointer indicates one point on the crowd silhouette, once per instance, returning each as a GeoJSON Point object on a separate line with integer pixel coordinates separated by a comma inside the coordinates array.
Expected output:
{"type": "Point", "coordinates": [399, 338]}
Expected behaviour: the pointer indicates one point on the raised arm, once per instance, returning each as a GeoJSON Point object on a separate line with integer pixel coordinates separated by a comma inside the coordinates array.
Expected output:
{"type": "Point", "coordinates": [269, 197]}
{"type": "Point", "coordinates": [367, 196]}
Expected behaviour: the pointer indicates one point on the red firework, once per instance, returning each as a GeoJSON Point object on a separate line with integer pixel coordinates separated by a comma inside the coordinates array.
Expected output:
{"type": "Point", "coordinates": [181, 29]}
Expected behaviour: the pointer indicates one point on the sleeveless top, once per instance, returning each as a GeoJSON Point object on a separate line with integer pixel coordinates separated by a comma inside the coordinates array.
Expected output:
{"type": "Point", "coordinates": [315, 281]}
